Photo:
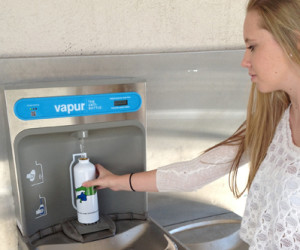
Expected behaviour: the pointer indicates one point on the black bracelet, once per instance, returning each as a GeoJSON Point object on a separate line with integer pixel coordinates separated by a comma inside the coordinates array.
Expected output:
{"type": "Point", "coordinates": [130, 182]}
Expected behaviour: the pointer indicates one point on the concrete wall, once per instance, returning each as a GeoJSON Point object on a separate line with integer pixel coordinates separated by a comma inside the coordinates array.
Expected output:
{"type": "Point", "coordinates": [80, 27]}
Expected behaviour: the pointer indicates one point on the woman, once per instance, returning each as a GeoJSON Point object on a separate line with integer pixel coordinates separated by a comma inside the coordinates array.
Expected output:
{"type": "Point", "coordinates": [269, 138]}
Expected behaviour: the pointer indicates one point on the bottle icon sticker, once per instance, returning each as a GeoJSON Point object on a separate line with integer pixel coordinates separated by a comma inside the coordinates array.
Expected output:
{"type": "Point", "coordinates": [36, 175]}
{"type": "Point", "coordinates": [85, 192]}
{"type": "Point", "coordinates": [31, 175]}
{"type": "Point", "coordinates": [42, 209]}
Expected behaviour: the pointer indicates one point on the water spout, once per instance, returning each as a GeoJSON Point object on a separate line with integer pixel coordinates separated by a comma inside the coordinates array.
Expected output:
{"type": "Point", "coordinates": [81, 135]}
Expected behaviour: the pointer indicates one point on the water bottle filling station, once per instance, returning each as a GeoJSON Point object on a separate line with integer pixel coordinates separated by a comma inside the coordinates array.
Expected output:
{"type": "Point", "coordinates": [56, 131]}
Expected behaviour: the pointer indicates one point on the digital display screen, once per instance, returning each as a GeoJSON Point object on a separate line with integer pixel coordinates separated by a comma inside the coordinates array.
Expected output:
{"type": "Point", "coordinates": [121, 103]}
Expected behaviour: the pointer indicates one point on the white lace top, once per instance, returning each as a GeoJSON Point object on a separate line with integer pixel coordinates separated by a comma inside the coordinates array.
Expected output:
{"type": "Point", "coordinates": [272, 216]}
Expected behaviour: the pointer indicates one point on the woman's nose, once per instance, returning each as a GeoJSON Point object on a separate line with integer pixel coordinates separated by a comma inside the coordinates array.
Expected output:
{"type": "Point", "coordinates": [246, 62]}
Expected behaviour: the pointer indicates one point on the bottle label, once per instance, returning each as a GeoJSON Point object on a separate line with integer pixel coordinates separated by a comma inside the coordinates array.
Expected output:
{"type": "Point", "coordinates": [85, 191]}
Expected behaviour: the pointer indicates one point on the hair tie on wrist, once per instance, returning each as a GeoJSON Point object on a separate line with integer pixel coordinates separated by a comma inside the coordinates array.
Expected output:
{"type": "Point", "coordinates": [130, 182]}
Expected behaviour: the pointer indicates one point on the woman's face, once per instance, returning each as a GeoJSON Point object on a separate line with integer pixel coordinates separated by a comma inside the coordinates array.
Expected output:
{"type": "Point", "coordinates": [268, 65]}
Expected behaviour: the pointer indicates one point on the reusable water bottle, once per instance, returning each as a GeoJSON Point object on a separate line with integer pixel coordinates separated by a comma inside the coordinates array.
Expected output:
{"type": "Point", "coordinates": [86, 198]}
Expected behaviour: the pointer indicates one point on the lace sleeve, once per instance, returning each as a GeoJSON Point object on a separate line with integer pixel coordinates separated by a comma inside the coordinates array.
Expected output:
{"type": "Point", "coordinates": [194, 174]}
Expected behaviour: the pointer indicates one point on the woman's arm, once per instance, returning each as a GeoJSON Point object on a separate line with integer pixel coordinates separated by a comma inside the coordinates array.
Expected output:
{"type": "Point", "coordinates": [141, 182]}
{"type": "Point", "coordinates": [181, 176]}
{"type": "Point", "coordinates": [196, 173]}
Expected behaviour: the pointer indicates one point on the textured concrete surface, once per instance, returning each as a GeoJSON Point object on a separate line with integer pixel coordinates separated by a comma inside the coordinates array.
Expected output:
{"type": "Point", "coordinates": [53, 27]}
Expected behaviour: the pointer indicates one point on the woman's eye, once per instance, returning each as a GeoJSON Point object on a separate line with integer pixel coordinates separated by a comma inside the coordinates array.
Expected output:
{"type": "Point", "coordinates": [251, 48]}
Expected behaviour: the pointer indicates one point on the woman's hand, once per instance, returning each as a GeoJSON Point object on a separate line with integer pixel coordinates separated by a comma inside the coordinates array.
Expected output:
{"type": "Point", "coordinates": [141, 182]}
{"type": "Point", "coordinates": [105, 179]}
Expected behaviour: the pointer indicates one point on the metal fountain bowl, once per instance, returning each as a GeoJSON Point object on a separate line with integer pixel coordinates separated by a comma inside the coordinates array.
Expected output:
{"type": "Point", "coordinates": [221, 234]}
{"type": "Point", "coordinates": [131, 234]}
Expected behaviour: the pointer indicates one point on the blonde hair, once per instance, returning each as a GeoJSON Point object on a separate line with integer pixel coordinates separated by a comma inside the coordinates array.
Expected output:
{"type": "Point", "coordinates": [282, 19]}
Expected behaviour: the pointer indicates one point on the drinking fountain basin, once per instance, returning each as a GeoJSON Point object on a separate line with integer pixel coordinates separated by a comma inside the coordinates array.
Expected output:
{"type": "Point", "coordinates": [131, 234]}
{"type": "Point", "coordinates": [215, 234]}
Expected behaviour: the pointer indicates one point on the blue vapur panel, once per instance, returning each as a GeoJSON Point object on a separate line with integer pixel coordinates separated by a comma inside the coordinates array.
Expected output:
{"type": "Point", "coordinates": [77, 105]}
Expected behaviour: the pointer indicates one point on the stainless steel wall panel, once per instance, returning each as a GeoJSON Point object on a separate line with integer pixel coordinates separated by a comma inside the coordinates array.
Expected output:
{"type": "Point", "coordinates": [193, 101]}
